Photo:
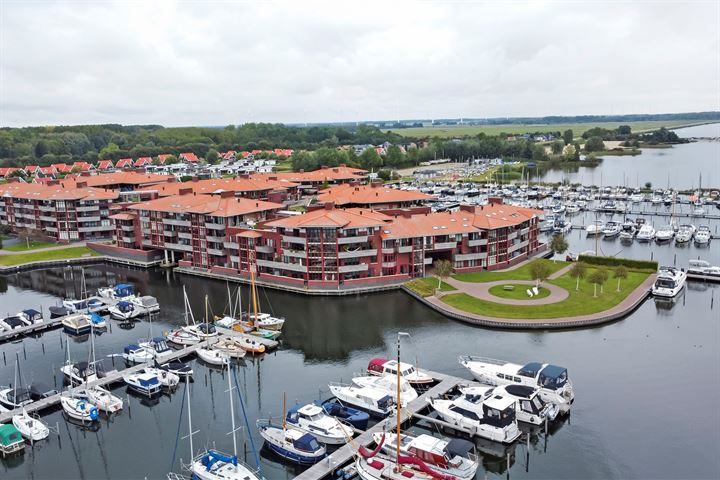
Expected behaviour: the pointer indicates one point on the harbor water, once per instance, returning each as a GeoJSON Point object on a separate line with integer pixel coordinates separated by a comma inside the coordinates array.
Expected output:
{"type": "Point", "coordinates": [646, 386]}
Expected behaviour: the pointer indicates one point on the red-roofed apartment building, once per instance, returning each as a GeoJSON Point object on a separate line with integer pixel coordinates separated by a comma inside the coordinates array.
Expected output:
{"type": "Point", "coordinates": [376, 195]}
{"type": "Point", "coordinates": [188, 157]}
{"type": "Point", "coordinates": [65, 211]}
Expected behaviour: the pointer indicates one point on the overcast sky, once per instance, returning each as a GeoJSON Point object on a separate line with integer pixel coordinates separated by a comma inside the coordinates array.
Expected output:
{"type": "Point", "coordinates": [225, 62]}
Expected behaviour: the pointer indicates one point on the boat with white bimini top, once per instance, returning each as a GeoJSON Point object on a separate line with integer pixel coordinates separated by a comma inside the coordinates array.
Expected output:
{"type": "Point", "coordinates": [389, 385]}
{"type": "Point", "coordinates": [487, 416]}
{"type": "Point", "coordinates": [555, 386]}
{"type": "Point", "coordinates": [32, 428]}
{"type": "Point", "coordinates": [669, 282]}
{"type": "Point", "coordinates": [529, 407]}
{"type": "Point", "coordinates": [646, 233]}
{"type": "Point", "coordinates": [134, 353]}
{"type": "Point", "coordinates": [158, 348]}
{"type": "Point", "coordinates": [167, 379]}
{"type": "Point", "coordinates": [312, 419]}
{"type": "Point", "coordinates": [145, 384]}
{"type": "Point", "coordinates": [30, 316]}
{"type": "Point", "coordinates": [595, 228]}
{"type": "Point", "coordinates": [77, 324]}
{"type": "Point", "coordinates": [376, 402]}
{"type": "Point", "coordinates": [121, 291]}
{"type": "Point", "coordinates": [146, 304]}
{"type": "Point", "coordinates": [611, 229]}
{"type": "Point", "coordinates": [382, 366]}
{"type": "Point", "coordinates": [76, 306]}
{"type": "Point", "coordinates": [456, 457]}
{"type": "Point", "coordinates": [685, 233]}
{"type": "Point", "coordinates": [702, 235]}
{"type": "Point", "coordinates": [664, 233]}
{"type": "Point", "coordinates": [123, 311]}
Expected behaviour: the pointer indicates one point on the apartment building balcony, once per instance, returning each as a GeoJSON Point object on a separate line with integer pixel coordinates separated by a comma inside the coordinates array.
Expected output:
{"type": "Point", "coordinates": [264, 249]}
{"type": "Point", "coordinates": [388, 250]}
{"type": "Point", "coordinates": [234, 259]}
{"type": "Point", "coordinates": [46, 208]}
{"type": "Point", "coordinates": [215, 238]}
{"type": "Point", "coordinates": [405, 249]}
{"type": "Point", "coordinates": [50, 229]}
{"type": "Point", "coordinates": [444, 245]}
{"type": "Point", "coordinates": [94, 218]}
{"type": "Point", "coordinates": [145, 231]}
{"type": "Point", "coordinates": [215, 251]}
{"type": "Point", "coordinates": [428, 260]}
{"type": "Point", "coordinates": [179, 223]}
{"type": "Point", "coordinates": [97, 228]}
{"type": "Point", "coordinates": [232, 245]}
{"type": "Point", "coordinates": [389, 264]}
{"type": "Point", "coordinates": [295, 267]}
{"type": "Point", "coordinates": [357, 254]}
{"type": "Point", "coordinates": [178, 246]}
{"type": "Point", "coordinates": [357, 239]}
{"type": "Point", "coordinates": [477, 242]}
{"type": "Point", "coordinates": [215, 226]}
{"type": "Point", "coordinates": [169, 233]}
{"type": "Point", "coordinates": [127, 228]}
{"type": "Point", "coordinates": [518, 246]}
{"type": "Point", "coordinates": [144, 219]}
{"type": "Point", "coordinates": [185, 235]}
{"type": "Point", "coordinates": [361, 267]}
{"type": "Point", "coordinates": [513, 235]}
{"type": "Point", "coordinates": [295, 253]}
{"type": "Point", "coordinates": [462, 257]}
{"type": "Point", "coordinates": [128, 239]}
{"type": "Point", "coordinates": [48, 218]}
{"type": "Point", "coordinates": [290, 239]}
{"type": "Point", "coordinates": [525, 231]}
{"type": "Point", "coordinates": [88, 208]}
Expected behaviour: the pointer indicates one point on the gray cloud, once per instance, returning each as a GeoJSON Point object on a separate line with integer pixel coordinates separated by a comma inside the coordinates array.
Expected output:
{"type": "Point", "coordinates": [214, 63]}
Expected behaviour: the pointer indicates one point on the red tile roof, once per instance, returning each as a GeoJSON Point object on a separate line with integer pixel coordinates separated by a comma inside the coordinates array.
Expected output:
{"type": "Point", "coordinates": [124, 162]}
{"type": "Point", "coordinates": [218, 185]}
{"type": "Point", "coordinates": [188, 157]}
{"type": "Point", "coordinates": [61, 191]}
{"type": "Point", "coordinates": [31, 168]}
{"type": "Point", "coordinates": [142, 161]}
{"type": "Point", "coordinates": [333, 217]}
{"type": "Point", "coordinates": [105, 164]}
{"type": "Point", "coordinates": [329, 174]}
{"type": "Point", "coordinates": [347, 194]}
{"type": "Point", "coordinates": [163, 156]}
{"type": "Point", "coordinates": [212, 205]}
{"type": "Point", "coordinates": [61, 167]}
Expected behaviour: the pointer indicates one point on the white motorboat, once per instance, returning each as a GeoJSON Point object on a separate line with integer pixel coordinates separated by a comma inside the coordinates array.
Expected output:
{"type": "Point", "coordinates": [555, 386]}
{"type": "Point", "coordinates": [703, 267]}
{"type": "Point", "coordinates": [646, 233]}
{"type": "Point", "coordinates": [491, 417]}
{"type": "Point", "coordinates": [572, 208]}
{"type": "Point", "coordinates": [11, 323]}
{"type": "Point", "coordinates": [158, 348]}
{"type": "Point", "coordinates": [669, 282]}
{"type": "Point", "coordinates": [78, 408]}
{"type": "Point", "coordinates": [381, 366]}
{"type": "Point", "coordinates": [455, 458]}
{"type": "Point", "coordinates": [558, 209]}
{"type": "Point", "coordinates": [134, 353]}
{"type": "Point", "coordinates": [77, 306]}
{"type": "Point", "coordinates": [529, 406]}
{"type": "Point", "coordinates": [264, 321]}
{"type": "Point", "coordinates": [230, 347]}
{"type": "Point", "coordinates": [143, 383]}
{"type": "Point", "coordinates": [146, 304]}
{"type": "Point", "coordinates": [388, 384]}
{"type": "Point", "coordinates": [30, 316]}
{"type": "Point", "coordinates": [656, 200]}
{"type": "Point", "coordinates": [103, 399]}
{"type": "Point", "coordinates": [32, 428]}
{"type": "Point", "coordinates": [166, 378]}
{"type": "Point", "coordinates": [595, 228]}
{"type": "Point", "coordinates": [122, 291]}
{"type": "Point", "coordinates": [664, 234]}
{"type": "Point", "coordinates": [123, 310]}
{"type": "Point", "coordinates": [636, 197]}
{"type": "Point", "coordinates": [685, 233]}
{"type": "Point", "coordinates": [312, 419]}
{"type": "Point", "coordinates": [213, 357]}
{"type": "Point", "coordinates": [178, 368]}
{"type": "Point", "coordinates": [703, 235]}
{"type": "Point", "coordinates": [376, 402]}
{"type": "Point", "coordinates": [182, 337]}
{"type": "Point", "coordinates": [611, 230]}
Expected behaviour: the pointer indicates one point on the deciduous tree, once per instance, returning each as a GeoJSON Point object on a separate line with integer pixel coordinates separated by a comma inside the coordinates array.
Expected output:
{"type": "Point", "coordinates": [443, 269]}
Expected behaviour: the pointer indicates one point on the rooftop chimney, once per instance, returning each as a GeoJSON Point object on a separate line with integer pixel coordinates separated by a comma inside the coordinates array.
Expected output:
{"type": "Point", "coordinates": [227, 194]}
{"type": "Point", "coordinates": [495, 200]}
{"type": "Point", "coordinates": [329, 205]}
{"type": "Point", "coordinates": [81, 184]}
{"type": "Point", "coordinates": [185, 191]}
{"type": "Point", "coordinates": [467, 208]}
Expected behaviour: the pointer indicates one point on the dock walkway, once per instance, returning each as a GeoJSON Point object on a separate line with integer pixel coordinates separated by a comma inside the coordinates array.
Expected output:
{"type": "Point", "coordinates": [342, 456]}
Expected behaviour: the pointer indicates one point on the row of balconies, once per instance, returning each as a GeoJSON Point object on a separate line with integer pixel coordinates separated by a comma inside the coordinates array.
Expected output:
{"type": "Point", "coordinates": [357, 253]}
{"type": "Point", "coordinates": [179, 223]}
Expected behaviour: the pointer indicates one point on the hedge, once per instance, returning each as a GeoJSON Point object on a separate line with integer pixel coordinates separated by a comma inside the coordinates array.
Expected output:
{"type": "Point", "coordinates": [614, 262]}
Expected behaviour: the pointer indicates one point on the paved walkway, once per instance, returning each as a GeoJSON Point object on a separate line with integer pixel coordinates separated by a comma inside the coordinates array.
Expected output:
{"type": "Point", "coordinates": [482, 291]}
{"type": "Point", "coordinates": [46, 249]}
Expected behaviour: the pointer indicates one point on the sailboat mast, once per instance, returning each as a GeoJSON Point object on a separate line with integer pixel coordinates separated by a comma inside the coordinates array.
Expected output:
{"type": "Point", "coordinates": [284, 410]}
{"type": "Point", "coordinates": [185, 305]}
{"type": "Point", "coordinates": [190, 430]}
{"type": "Point", "coordinates": [232, 410]}
{"type": "Point", "coordinates": [230, 304]}
{"type": "Point", "coordinates": [397, 440]}
{"type": "Point", "coordinates": [206, 308]}
{"type": "Point", "coordinates": [254, 294]}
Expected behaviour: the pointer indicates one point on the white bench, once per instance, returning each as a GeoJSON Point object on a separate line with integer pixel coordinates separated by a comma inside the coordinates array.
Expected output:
{"type": "Point", "coordinates": [529, 292]}
{"type": "Point", "coordinates": [536, 291]}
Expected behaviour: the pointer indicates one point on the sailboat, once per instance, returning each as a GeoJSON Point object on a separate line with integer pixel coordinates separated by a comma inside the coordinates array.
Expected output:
{"type": "Point", "coordinates": [12, 397]}
{"type": "Point", "coordinates": [182, 336]}
{"type": "Point", "coordinates": [215, 465]}
{"type": "Point", "coordinates": [259, 323]}
{"type": "Point", "coordinates": [202, 331]}
{"type": "Point", "coordinates": [234, 320]}
{"type": "Point", "coordinates": [372, 465]}
{"type": "Point", "coordinates": [291, 443]}
{"type": "Point", "coordinates": [31, 428]}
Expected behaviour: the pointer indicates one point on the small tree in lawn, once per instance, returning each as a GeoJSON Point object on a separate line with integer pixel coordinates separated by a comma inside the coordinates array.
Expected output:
{"type": "Point", "coordinates": [558, 244]}
{"type": "Point", "coordinates": [539, 271]}
{"type": "Point", "coordinates": [578, 271]}
{"type": "Point", "coordinates": [620, 273]}
{"type": "Point", "coordinates": [443, 269]}
{"type": "Point", "coordinates": [605, 277]}
{"type": "Point", "coordinates": [596, 278]}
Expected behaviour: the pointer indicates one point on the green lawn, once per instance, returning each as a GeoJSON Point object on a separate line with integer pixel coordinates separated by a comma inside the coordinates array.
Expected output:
{"type": "Point", "coordinates": [580, 302]}
{"type": "Point", "coordinates": [518, 293]}
{"type": "Point", "coordinates": [284, 166]}
{"type": "Point", "coordinates": [426, 286]}
{"type": "Point", "coordinates": [34, 245]}
{"type": "Point", "coordinates": [522, 273]}
{"type": "Point", "coordinates": [515, 129]}
{"type": "Point", "coordinates": [61, 254]}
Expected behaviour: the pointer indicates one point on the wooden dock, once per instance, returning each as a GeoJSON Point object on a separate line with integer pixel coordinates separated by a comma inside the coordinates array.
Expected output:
{"type": "Point", "coordinates": [344, 455]}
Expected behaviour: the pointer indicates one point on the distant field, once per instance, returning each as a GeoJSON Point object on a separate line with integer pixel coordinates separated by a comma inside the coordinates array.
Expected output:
{"type": "Point", "coordinates": [577, 128]}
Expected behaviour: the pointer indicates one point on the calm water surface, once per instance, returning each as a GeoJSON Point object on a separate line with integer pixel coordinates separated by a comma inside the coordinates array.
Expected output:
{"type": "Point", "coordinates": [647, 386]}
{"type": "Point", "coordinates": [676, 167]}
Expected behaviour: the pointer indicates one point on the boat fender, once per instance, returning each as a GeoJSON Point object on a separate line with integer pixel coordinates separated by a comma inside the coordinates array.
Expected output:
{"type": "Point", "coordinates": [532, 419]}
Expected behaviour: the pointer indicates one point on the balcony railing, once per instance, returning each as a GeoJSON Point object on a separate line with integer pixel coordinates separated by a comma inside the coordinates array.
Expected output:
{"type": "Point", "coordinates": [95, 218]}
{"type": "Point", "coordinates": [290, 239]}
{"type": "Point", "coordinates": [215, 251]}
{"type": "Point", "coordinates": [264, 249]}
{"type": "Point", "coordinates": [444, 245]}
{"type": "Point", "coordinates": [477, 242]}
{"type": "Point", "coordinates": [461, 257]}
{"type": "Point", "coordinates": [358, 239]}
{"type": "Point", "coordinates": [361, 267]}
{"type": "Point", "coordinates": [428, 261]}
{"type": "Point", "coordinates": [388, 250]}
{"type": "Point", "coordinates": [389, 264]}
{"type": "Point", "coordinates": [215, 226]}
{"type": "Point", "coordinates": [127, 228]}
{"type": "Point", "coordinates": [178, 246]}
{"type": "Point", "coordinates": [295, 253]}
{"type": "Point", "coordinates": [185, 235]}
{"type": "Point", "coordinates": [281, 265]}
{"type": "Point", "coordinates": [179, 223]}
{"type": "Point", "coordinates": [215, 238]}
{"type": "Point", "coordinates": [405, 249]}
{"type": "Point", "coordinates": [232, 245]}
{"type": "Point", "coordinates": [357, 254]}
{"type": "Point", "coordinates": [88, 208]}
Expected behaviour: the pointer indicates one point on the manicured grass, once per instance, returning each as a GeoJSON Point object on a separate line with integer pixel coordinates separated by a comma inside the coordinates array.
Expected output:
{"type": "Point", "coordinates": [519, 293]}
{"type": "Point", "coordinates": [522, 273]}
{"type": "Point", "coordinates": [23, 246]}
{"type": "Point", "coordinates": [61, 254]}
{"type": "Point", "coordinates": [284, 166]}
{"type": "Point", "coordinates": [426, 286]}
{"type": "Point", "coordinates": [580, 302]}
{"type": "Point", "coordinates": [578, 129]}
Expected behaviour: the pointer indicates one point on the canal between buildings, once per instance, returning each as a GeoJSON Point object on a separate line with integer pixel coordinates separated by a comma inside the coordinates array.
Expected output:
{"type": "Point", "coordinates": [646, 386]}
